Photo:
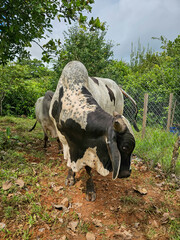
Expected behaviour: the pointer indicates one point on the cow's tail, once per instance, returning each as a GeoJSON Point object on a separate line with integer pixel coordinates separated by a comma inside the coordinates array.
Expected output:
{"type": "Point", "coordinates": [33, 126]}
{"type": "Point", "coordinates": [135, 104]}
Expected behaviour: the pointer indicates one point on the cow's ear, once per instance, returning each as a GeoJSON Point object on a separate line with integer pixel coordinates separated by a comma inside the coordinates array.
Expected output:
{"type": "Point", "coordinates": [114, 154]}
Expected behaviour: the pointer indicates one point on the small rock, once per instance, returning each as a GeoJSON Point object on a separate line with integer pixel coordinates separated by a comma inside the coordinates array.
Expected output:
{"type": "Point", "coordinates": [165, 218]}
{"type": "Point", "coordinates": [123, 234]}
{"type": "Point", "coordinates": [3, 152]}
{"type": "Point", "coordinates": [158, 165]}
{"type": "Point", "coordinates": [56, 189]}
{"type": "Point", "coordinates": [136, 224]}
{"type": "Point", "coordinates": [54, 174]}
{"type": "Point", "coordinates": [97, 222]}
{"type": "Point", "coordinates": [60, 207]}
{"type": "Point", "coordinates": [41, 229]}
{"type": "Point", "coordinates": [2, 225]}
{"type": "Point", "coordinates": [154, 223]}
{"type": "Point", "coordinates": [52, 184]}
{"type": "Point", "coordinates": [90, 236]}
{"type": "Point", "coordinates": [111, 208]}
{"type": "Point", "coordinates": [65, 202]}
{"type": "Point", "coordinates": [140, 190]}
{"type": "Point", "coordinates": [70, 232]}
{"type": "Point", "coordinates": [72, 225]}
{"type": "Point", "coordinates": [79, 215]}
{"type": "Point", "coordinates": [143, 169]}
{"type": "Point", "coordinates": [61, 220]}
{"type": "Point", "coordinates": [178, 192]}
{"type": "Point", "coordinates": [78, 204]}
{"type": "Point", "coordinates": [63, 237]}
{"type": "Point", "coordinates": [33, 163]}
{"type": "Point", "coordinates": [19, 143]}
{"type": "Point", "coordinates": [10, 195]}
{"type": "Point", "coordinates": [160, 184]}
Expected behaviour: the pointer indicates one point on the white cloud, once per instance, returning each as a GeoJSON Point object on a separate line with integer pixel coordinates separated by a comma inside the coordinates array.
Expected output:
{"type": "Point", "coordinates": [130, 20]}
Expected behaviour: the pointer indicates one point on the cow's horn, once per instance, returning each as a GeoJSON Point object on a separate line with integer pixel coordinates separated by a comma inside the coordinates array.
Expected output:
{"type": "Point", "coordinates": [116, 160]}
{"type": "Point", "coordinates": [115, 156]}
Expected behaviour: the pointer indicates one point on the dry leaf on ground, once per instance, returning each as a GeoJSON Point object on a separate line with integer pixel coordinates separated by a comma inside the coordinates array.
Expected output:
{"type": "Point", "coordinates": [7, 185]}
{"type": "Point", "coordinates": [20, 183]}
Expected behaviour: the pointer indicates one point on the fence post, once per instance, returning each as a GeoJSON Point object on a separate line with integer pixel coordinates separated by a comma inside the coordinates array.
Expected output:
{"type": "Point", "coordinates": [169, 111]}
{"type": "Point", "coordinates": [144, 114]}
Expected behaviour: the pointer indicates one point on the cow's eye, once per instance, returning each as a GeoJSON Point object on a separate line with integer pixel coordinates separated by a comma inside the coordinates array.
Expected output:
{"type": "Point", "coordinates": [124, 148]}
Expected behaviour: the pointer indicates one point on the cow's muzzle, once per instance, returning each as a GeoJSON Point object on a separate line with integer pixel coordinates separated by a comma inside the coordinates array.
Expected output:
{"type": "Point", "coordinates": [124, 174]}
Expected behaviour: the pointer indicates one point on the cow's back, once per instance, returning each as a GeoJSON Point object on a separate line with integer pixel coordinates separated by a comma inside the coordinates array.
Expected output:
{"type": "Point", "coordinates": [107, 94]}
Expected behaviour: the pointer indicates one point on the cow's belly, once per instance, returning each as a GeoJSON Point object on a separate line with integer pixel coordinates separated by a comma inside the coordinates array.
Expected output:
{"type": "Point", "coordinates": [90, 159]}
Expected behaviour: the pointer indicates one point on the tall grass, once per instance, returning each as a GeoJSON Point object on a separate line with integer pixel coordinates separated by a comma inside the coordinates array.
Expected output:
{"type": "Point", "coordinates": [157, 147]}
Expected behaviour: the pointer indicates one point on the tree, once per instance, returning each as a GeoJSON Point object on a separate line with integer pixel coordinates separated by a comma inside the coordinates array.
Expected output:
{"type": "Point", "coordinates": [22, 22]}
{"type": "Point", "coordinates": [21, 84]}
{"type": "Point", "coordinates": [89, 47]}
{"type": "Point", "coordinates": [116, 70]}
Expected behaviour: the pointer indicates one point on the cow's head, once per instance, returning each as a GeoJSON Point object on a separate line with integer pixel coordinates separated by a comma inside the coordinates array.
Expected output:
{"type": "Point", "coordinates": [121, 144]}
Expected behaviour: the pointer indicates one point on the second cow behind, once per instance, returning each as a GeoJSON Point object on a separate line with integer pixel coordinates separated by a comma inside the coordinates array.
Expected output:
{"type": "Point", "coordinates": [42, 106]}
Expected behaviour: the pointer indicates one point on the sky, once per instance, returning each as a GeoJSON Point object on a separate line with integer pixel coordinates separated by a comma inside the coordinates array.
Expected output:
{"type": "Point", "coordinates": [130, 21]}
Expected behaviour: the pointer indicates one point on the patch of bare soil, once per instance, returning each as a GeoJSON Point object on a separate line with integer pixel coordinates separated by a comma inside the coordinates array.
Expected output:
{"type": "Point", "coordinates": [141, 207]}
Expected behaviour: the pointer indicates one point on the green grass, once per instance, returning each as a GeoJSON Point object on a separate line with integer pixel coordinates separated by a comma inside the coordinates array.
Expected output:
{"type": "Point", "coordinates": [129, 200]}
{"type": "Point", "coordinates": [25, 206]}
{"type": "Point", "coordinates": [156, 147]}
{"type": "Point", "coordinates": [174, 229]}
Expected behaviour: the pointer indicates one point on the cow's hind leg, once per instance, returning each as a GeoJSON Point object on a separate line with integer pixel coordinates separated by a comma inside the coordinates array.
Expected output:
{"type": "Point", "coordinates": [60, 146]}
{"type": "Point", "coordinates": [70, 180]}
{"type": "Point", "coordinates": [45, 140]}
{"type": "Point", "coordinates": [90, 191]}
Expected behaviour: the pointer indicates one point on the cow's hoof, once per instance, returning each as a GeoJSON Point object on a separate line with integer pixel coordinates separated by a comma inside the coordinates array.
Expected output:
{"type": "Point", "coordinates": [90, 196]}
{"type": "Point", "coordinates": [70, 181]}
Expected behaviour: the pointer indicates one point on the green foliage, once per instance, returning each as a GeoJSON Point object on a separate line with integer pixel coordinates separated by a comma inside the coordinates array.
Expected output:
{"type": "Point", "coordinates": [116, 70]}
{"type": "Point", "coordinates": [157, 146]}
{"type": "Point", "coordinates": [158, 74]}
{"type": "Point", "coordinates": [21, 84]}
{"type": "Point", "coordinates": [22, 22]}
{"type": "Point", "coordinates": [86, 46]}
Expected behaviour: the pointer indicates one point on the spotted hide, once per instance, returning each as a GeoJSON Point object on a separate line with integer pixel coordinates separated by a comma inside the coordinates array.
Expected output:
{"type": "Point", "coordinates": [95, 138]}
{"type": "Point", "coordinates": [110, 96]}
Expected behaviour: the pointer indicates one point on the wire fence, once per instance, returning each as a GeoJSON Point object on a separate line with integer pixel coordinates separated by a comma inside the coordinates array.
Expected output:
{"type": "Point", "coordinates": [163, 111]}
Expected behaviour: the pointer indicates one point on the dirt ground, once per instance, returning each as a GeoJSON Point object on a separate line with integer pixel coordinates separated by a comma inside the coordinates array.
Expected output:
{"type": "Point", "coordinates": [143, 206]}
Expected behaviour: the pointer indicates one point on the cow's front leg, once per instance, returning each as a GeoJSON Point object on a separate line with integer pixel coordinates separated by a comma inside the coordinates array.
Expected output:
{"type": "Point", "coordinates": [70, 180]}
{"type": "Point", "coordinates": [90, 191]}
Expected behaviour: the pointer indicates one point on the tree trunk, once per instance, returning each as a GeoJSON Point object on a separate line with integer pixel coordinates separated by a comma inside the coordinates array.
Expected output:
{"type": "Point", "coordinates": [1, 102]}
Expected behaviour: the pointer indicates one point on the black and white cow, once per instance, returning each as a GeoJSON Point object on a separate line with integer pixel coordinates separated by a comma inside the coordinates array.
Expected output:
{"type": "Point", "coordinates": [42, 106]}
{"type": "Point", "coordinates": [95, 138]}
{"type": "Point", "coordinates": [110, 98]}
